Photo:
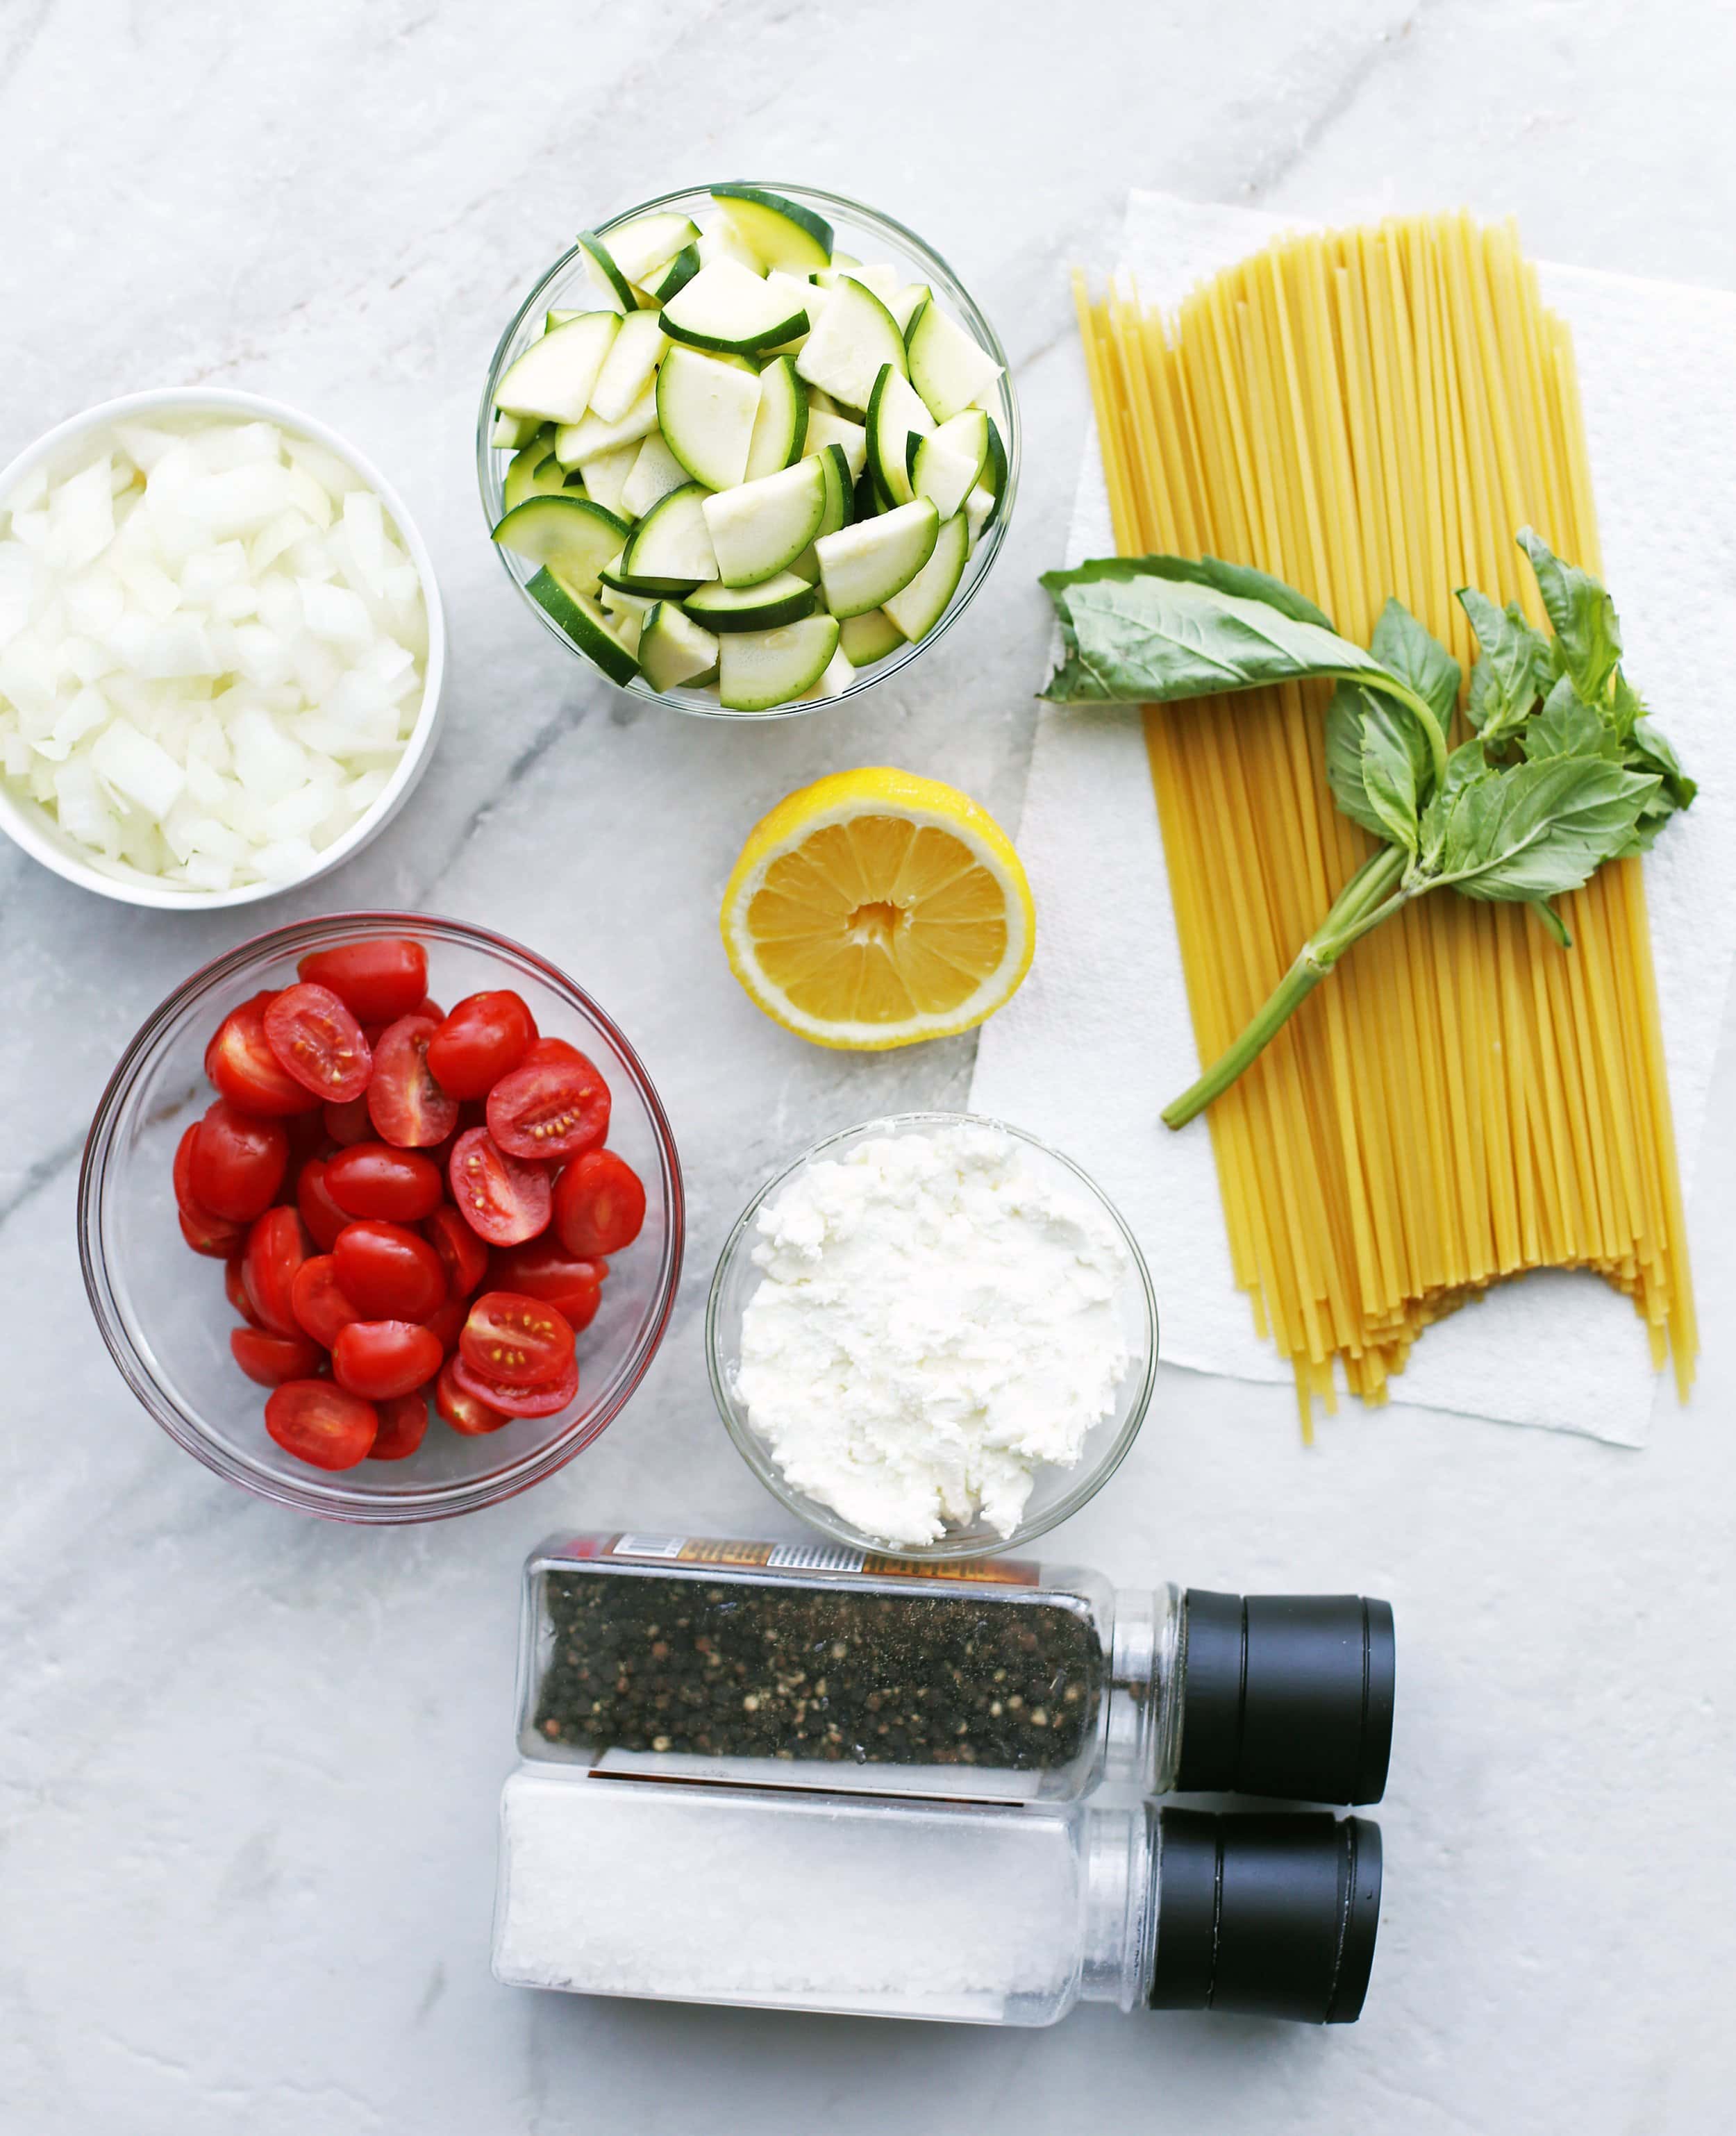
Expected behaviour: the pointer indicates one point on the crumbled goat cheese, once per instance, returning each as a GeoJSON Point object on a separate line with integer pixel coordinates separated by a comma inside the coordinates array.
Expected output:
{"type": "Point", "coordinates": [938, 1314]}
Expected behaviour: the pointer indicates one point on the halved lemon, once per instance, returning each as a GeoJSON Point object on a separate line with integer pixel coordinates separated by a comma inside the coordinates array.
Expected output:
{"type": "Point", "coordinates": [873, 908]}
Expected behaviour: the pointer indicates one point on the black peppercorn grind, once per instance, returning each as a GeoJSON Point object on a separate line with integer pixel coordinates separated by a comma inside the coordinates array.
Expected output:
{"type": "Point", "coordinates": [745, 1669]}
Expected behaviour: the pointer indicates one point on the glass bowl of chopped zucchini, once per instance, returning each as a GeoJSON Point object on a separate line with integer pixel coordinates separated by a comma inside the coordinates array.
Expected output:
{"type": "Point", "coordinates": [748, 449]}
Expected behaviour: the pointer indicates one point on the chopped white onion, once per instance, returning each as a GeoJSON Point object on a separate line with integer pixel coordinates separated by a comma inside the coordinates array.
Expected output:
{"type": "Point", "coordinates": [212, 639]}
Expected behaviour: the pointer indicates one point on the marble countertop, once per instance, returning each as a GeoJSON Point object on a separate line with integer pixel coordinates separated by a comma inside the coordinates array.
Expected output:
{"type": "Point", "coordinates": [249, 1762]}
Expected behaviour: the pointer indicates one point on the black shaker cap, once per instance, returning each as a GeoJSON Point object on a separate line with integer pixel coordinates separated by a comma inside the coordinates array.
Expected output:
{"type": "Point", "coordinates": [1285, 1695]}
{"type": "Point", "coordinates": [1266, 1916]}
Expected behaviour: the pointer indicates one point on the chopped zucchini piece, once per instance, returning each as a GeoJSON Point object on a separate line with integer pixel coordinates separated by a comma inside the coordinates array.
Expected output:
{"type": "Point", "coordinates": [552, 380]}
{"type": "Point", "coordinates": [655, 473]}
{"type": "Point", "coordinates": [629, 367]}
{"type": "Point", "coordinates": [730, 307]}
{"type": "Point", "coordinates": [863, 639]}
{"type": "Point", "coordinates": [758, 670]}
{"type": "Point", "coordinates": [672, 541]}
{"type": "Point", "coordinates": [584, 623]}
{"type": "Point", "coordinates": [825, 429]}
{"type": "Point", "coordinates": [979, 508]}
{"type": "Point", "coordinates": [639, 247]}
{"type": "Point", "coordinates": [574, 535]}
{"type": "Point", "coordinates": [521, 479]}
{"type": "Point", "coordinates": [917, 607]}
{"type": "Point", "coordinates": [615, 288]}
{"type": "Point", "coordinates": [604, 477]}
{"type": "Point", "coordinates": [862, 566]}
{"type": "Point", "coordinates": [673, 275]}
{"type": "Point", "coordinates": [837, 678]}
{"type": "Point", "coordinates": [948, 464]}
{"type": "Point", "coordinates": [840, 495]}
{"type": "Point", "coordinates": [776, 231]}
{"type": "Point", "coordinates": [853, 336]}
{"type": "Point", "coordinates": [719, 240]}
{"type": "Point", "coordinates": [759, 528]}
{"type": "Point", "coordinates": [801, 296]}
{"type": "Point", "coordinates": [705, 407]}
{"type": "Point", "coordinates": [627, 613]}
{"type": "Point", "coordinates": [905, 303]}
{"type": "Point", "coordinates": [585, 439]}
{"type": "Point", "coordinates": [509, 433]}
{"type": "Point", "coordinates": [896, 414]}
{"type": "Point", "coordinates": [946, 367]}
{"type": "Point", "coordinates": [780, 426]}
{"type": "Point", "coordinates": [674, 651]}
{"type": "Point", "coordinates": [779, 600]}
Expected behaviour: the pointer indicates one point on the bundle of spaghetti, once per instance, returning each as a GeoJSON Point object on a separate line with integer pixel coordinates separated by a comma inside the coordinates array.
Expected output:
{"type": "Point", "coordinates": [1366, 412]}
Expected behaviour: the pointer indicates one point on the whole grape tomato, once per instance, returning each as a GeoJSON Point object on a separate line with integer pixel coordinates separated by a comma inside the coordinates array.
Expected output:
{"type": "Point", "coordinates": [485, 1037]}
{"type": "Point", "coordinates": [236, 1161]}
{"type": "Point", "coordinates": [377, 980]}
{"type": "Point", "coordinates": [387, 1271]}
{"type": "Point", "coordinates": [373, 1179]}
{"type": "Point", "coordinates": [599, 1204]}
{"type": "Point", "coordinates": [380, 1358]}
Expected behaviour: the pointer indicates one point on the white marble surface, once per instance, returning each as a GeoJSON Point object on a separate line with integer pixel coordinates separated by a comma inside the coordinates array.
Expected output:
{"type": "Point", "coordinates": [248, 1763]}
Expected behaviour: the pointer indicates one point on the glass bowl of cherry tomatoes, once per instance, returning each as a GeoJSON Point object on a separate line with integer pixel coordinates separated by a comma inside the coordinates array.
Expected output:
{"type": "Point", "coordinates": [381, 1217]}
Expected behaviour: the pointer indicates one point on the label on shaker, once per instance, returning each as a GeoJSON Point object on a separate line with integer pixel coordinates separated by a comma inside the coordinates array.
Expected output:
{"type": "Point", "coordinates": [835, 1559]}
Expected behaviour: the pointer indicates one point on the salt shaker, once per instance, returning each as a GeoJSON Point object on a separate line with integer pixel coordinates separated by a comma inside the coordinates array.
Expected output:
{"type": "Point", "coordinates": [972, 1913]}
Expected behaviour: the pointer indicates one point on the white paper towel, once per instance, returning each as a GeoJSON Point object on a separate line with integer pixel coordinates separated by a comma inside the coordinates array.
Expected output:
{"type": "Point", "coordinates": [1100, 1037]}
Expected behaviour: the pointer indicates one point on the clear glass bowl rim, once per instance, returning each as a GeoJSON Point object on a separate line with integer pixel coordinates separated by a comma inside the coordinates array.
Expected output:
{"type": "Point", "coordinates": [488, 476]}
{"type": "Point", "coordinates": [752, 1450]}
{"type": "Point", "coordinates": [329, 1498]}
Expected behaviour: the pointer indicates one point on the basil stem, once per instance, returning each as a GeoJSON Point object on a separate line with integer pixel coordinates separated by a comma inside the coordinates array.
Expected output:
{"type": "Point", "coordinates": [1543, 795]}
{"type": "Point", "coordinates": [1370, 896]}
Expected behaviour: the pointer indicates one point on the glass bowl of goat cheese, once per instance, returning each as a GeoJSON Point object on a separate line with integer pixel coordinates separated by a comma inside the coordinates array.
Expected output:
{"type": "Point", "coordinates": [932, 1335]}
{"type": "Point", "coordinates": [221, 650]}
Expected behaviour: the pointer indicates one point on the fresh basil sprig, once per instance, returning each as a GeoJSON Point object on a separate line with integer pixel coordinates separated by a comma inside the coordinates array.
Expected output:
{"type": "Point", "coordinates": [1564, 770]}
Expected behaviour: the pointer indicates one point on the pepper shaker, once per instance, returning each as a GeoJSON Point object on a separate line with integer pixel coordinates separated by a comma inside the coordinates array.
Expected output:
{"type": "Point", "coordinates": [805, 1665]}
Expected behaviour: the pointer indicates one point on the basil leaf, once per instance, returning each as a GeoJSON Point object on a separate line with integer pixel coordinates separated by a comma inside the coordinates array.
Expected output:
{"type": "Point", "coordinates": [1466, 763]}
{"type": "Point", "coordinates": [1345, 717]}
{"type": "Point", "coordinates": [1147, 638]}
{"type": "Point", "coordinates": [1389, 776]}
{"type": "Point", "coordinates": [1534, 830]}
{"type": "Point", "coordinates": [1627, 706]}
{"type": "Point", "coordinates": [1505, 683]}
{"type": "Point", "coordinates": [1588, 636]}
{"type": "Point", "coordinates": [1378, 762]}
{"type": "Point", "coordinates": [1404, 649]}
{"type": "Point", "coordinates": [1648, 751]}
{"type": "Point", "coordinates": [1568, 726]}
{"type": "Point", "coordinates": [1241, 578]}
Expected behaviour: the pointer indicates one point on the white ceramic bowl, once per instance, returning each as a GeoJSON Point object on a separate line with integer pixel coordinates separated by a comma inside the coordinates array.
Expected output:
{"type": "Point", "coordinates": [31, 827]}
